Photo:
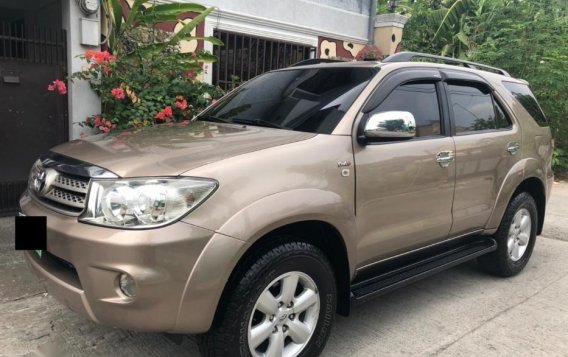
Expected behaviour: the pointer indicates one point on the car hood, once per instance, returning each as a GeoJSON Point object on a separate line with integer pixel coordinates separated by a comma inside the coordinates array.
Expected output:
{"type": "Point", "coordinates": [170, 150]}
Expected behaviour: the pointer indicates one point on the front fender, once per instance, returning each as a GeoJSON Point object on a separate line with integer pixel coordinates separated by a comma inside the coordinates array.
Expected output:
{"type": "Point", "coordinates": [274, 211]}
{"type": "Point", "coordinates": [206, 283]}
{"type": "Point", "coordinates": [271, 212]}
{"type": "Point", "coordinates": [221, 255]}
{"type": "Point", "coordinates": [517, 174]}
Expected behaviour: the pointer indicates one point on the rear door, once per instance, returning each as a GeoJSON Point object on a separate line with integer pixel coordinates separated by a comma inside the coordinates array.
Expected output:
{"type": "Point", "coordinates": [487, 143]}
{"type": "Point", "coordinates": [403, 194]}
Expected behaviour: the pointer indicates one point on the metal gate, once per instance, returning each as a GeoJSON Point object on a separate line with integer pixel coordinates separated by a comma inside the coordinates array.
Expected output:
{"type": "Point", "coordinates": [243, 57]}
{"type": "Point", "coordinates": [32, 120]}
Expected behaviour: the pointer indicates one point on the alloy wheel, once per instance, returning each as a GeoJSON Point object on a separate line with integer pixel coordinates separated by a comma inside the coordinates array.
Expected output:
{"type": "Point", "coordinates": [284, 317]}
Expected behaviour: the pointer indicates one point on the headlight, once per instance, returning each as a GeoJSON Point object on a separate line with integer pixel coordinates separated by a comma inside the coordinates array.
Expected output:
{"type": "Point", "coordinates": [144, 203]}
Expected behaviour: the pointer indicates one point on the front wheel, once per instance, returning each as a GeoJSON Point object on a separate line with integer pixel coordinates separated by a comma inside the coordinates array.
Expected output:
{"type": "Point", "coordinates": [515, 238]}
{"type": "Point", "coordinates": [283, 305]}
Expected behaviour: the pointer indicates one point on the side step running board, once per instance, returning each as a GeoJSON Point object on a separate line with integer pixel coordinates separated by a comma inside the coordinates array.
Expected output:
{"type": "Point", "coordinates": [387, 281]}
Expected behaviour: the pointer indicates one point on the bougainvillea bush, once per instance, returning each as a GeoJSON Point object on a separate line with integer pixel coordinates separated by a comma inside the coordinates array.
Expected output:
{"type": "Point", "coordinates": [144, 79]}
{"type": "Point", "coordinates": [138, 91]}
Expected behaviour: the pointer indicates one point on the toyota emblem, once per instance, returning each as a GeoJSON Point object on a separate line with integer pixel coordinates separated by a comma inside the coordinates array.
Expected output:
{"type": "Point", "coordinates": [39, 181]}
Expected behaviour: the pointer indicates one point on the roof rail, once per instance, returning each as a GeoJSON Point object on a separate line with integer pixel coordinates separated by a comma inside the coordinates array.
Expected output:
{"type": "Point", "coordinates": [409, 56]}
{"type": "Point", "coordinates": [315, 61]}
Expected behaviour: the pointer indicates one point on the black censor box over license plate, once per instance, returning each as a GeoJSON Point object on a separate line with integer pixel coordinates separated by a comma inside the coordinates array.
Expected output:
{"type": "Point", "coordinates": [31, 233]}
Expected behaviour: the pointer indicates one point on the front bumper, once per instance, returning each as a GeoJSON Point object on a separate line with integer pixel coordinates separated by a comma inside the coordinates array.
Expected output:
{"type": "Point", "coordinates": [84, 262]}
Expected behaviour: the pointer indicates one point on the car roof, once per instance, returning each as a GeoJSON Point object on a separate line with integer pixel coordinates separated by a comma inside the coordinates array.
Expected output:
{"type": "Point", "coordinates": [395, 65]}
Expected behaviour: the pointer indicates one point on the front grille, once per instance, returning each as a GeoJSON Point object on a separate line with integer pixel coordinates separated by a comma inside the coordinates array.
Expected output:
{"type": "Point", "coordinates": [61, 182]}
{"type": "Point", "coordinates": [67, 194]}
{"type": "Point", "coordinates": [72, 184]}
{"type": "Point", "coordinates": [66, 198]}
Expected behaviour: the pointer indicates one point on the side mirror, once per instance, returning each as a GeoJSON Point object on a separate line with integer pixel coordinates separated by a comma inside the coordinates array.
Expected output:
{"type": "Point", "coordinates": [390, 126]}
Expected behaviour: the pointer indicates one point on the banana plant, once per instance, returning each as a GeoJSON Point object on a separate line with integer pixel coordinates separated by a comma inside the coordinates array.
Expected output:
{"type": "Point", "coordinates": [458, 23]}
{"type": "Point", "coordinates": [142, 18]}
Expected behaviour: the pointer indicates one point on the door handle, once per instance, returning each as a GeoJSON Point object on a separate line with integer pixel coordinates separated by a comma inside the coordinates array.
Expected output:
{"type": "Point", "coordinates": [445, 158]}
{"type": "Point", "coordinates": [513, 148]}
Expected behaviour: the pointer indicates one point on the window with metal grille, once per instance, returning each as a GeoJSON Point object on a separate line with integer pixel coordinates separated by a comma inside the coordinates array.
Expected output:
{"type": "Point", "coordinates": [244, 57]}
{"type": "Point", "coordinates": [32, 43]}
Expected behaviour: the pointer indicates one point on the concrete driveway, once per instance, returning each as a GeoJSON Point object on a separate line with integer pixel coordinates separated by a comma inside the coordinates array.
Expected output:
{"type": "Point", "coordinates": [461, 312]}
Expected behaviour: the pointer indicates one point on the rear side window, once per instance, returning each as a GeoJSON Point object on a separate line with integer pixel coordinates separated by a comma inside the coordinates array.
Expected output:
{"type": "Point", "coordinates": [475, 109]}
{"type": "Point", "coordinates": [527, 99]}
{"type": "Point", "coordinates": [420, 99]}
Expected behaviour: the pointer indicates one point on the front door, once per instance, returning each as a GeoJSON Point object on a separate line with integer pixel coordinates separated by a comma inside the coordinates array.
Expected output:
{"type": "Point", "coordinates": [403, 194]}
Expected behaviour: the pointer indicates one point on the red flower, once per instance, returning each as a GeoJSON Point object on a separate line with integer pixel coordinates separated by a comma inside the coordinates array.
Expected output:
{"type": "Point", "coordinates": [168, 111]}
{"type": "Point", "coordinates": [59, 85]}
{"type": "Point", "coordinates": [98, 121]}
{"type": "Point", "coordinates": [99, 59]}
{"type": "Point", "coordinates": [118, 93]}
{"type": "Point", "coordinates": [160, 116]}
{"type": "Point", "coordinates": [103, 57]}
{"type": "Point", "coordinates": [181, 103]}
{"type": "Point", "coordinates": [89, 54]}
{"type": "Point", "coordinates": [103, 124]}
{"type": "Point", "coordinates": [192, 74]}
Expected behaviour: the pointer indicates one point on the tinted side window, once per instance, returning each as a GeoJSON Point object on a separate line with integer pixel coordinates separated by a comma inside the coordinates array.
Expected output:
{"type": "Point", "coordinates": [474, 109]}
{"type": "Point", "coordinates": [527, 99]}
{"type": "Point", "coordinates": [420, 99]}
{"type": "Point", "coordinates": [501, 119]}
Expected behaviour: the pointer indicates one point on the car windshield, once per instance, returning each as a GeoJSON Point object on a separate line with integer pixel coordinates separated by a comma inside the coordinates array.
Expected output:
{"type": "Point", "coordinates": [305, 99]}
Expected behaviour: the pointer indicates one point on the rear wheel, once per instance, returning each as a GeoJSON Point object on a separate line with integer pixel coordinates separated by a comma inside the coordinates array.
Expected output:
{"type": "Point", "coordinates": [283, 305]}
{"type": "Point", "coordinates": [515, 238]}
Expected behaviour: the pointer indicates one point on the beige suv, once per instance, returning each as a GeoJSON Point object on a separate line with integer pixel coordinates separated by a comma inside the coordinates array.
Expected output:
{"type": "Point", "coordinates": [299, 194]}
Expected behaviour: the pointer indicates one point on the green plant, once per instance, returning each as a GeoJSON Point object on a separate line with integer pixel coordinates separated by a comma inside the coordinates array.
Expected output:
{"type": "Point", "coordinates": [147, 79]}
{"type": "Point", "coordinates": [560, 160]}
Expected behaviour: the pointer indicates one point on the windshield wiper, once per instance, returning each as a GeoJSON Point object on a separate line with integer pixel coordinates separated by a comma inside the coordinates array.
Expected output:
{"type": "Point", "coordinates": [214, 119]}
{"type": "Point", "coordinates": [258, 122]}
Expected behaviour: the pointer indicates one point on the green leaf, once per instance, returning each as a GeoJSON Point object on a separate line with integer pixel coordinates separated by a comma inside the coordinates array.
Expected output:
{"type": "Point", "coordinates": [187, 28]}
{"type": "Point", "coordinates": [150, 19]}
{"type": "Point", "coordinates": [117, 15]}
{"type": "Point", "coordinates": [211, 39]}
{"type": "Point", "coordinates": [167, 12]}
{"type": "Point", "coordinates": [177, 8]}
{"type": "Point", "coordinates": [462, 37]}
{"type": "Point", "coordinates": [134, 12]}
{"type": "Point", "coordinates": [453, 16]}
{"type": "Point", "coordinates": [207, 57]}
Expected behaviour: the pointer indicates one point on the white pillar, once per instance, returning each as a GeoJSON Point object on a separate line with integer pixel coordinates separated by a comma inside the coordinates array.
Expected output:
{"type": "Point", "coordinates": [82, 100]}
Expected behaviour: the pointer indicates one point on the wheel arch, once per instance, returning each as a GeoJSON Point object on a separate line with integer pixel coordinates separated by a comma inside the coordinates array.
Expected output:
{"type": "Point", "coordinates": [517, 181]}
{"type": "Point", "coordinates": [321, 234]}
{"type": "Point", "coordinates": [534, 187]}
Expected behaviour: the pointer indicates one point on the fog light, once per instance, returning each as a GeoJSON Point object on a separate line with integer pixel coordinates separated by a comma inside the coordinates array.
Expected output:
{"type": "Point", "coordinates": [127, 285]}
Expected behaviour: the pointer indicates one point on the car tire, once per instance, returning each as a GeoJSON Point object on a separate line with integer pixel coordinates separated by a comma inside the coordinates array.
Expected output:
{"type": "Point", "coordinates": [516, 237]}
{"type": "Point", "coordinates": [258, 312]}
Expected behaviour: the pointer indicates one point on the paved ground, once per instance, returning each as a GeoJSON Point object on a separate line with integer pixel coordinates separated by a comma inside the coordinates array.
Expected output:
{"type": "Point", "coordinates": [461, 312]}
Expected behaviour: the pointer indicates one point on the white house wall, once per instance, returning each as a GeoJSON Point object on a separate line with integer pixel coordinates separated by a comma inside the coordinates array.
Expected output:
{"type": "Point", "coordinates": [343, 19]}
